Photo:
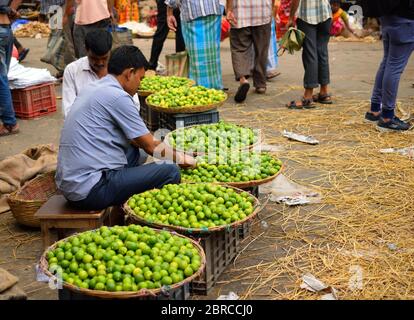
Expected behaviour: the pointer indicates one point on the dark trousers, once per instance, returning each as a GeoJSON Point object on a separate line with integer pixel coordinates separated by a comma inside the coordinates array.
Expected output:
{"type": "Point", "coordinates": [162, 33]}
{"type": "Point", "coordinates": [80, 32]}
{"type": "Point", "coordinates": [315, 55]}
{"type": "Point", "coordinates": [241, 41]}
{"type": "Point", "coordinates": [7, 114]}
{"type": "Point", "coordinates": [398, 40]}
{"type": "Point", "coordinates": [69, 55]}
{"type": "Point", "coordinates": [116, 186]}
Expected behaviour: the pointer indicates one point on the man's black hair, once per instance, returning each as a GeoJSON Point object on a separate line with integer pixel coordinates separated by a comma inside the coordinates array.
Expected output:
{"type": "Point", "coordinates": [99, 42]}
{"type": "Point", "coordinates": [126, 57]}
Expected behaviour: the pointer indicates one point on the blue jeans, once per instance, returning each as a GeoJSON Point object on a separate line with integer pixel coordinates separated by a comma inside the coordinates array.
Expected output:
{"type": "Point", "coordinates": [116, 186]}
{"type": "Point", "coordinates": [7, 114]}
{"type": "Point", "coordinates": [398, 39]}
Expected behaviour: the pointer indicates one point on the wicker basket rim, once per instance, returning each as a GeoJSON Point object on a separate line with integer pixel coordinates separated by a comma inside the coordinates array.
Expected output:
{"type": "Point", "coordinates": [124, 294]}
{"type": "Point", "coordinates": [257, 209]}
{"type": "Point", "coordinates": [14, 196]}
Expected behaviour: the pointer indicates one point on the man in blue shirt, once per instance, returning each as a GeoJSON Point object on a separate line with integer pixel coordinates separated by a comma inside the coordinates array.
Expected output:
{"type": "Point", "coordinates": [96, 168]}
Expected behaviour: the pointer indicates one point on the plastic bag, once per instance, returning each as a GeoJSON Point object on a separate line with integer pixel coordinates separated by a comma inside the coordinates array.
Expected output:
{"type": "Point", "coordinates": [292, 41]}
{"type": "Point", "coordinates": [55, 53]}
{"type": "Point", "coordinates": [177, 64]}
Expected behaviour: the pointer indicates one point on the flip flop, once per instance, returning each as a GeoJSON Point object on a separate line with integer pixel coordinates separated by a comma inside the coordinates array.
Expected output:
{"type": "Point", "coordinates": [242, 92]}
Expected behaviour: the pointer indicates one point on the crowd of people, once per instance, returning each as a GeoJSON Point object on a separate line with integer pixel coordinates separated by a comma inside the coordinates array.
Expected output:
{"type": "Point", "coordinates": [104, 141]}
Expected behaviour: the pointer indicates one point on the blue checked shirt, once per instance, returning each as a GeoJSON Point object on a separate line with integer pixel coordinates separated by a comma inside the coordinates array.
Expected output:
{"type": "Point", "coordinates": [314, 11]}
{"type": "Point", "coordinates": [193, 9]}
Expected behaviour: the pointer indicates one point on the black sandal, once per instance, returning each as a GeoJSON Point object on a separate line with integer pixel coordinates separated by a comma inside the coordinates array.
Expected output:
{"type": "Point", "coordinates": [242, 92]}
{"type": "Point", "coordinates": [306, 104]}
{"type": "Point", "coordinates": [324, 99]}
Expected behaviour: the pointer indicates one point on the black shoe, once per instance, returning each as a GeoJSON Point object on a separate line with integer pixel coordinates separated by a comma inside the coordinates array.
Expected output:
{"type": "Point", "coordinates": [23, 55]}
{"type": "Point", "coordinates": [370, 117]}
{"type": "Point", "coordinates": [242, 92]}
{"type": "Point", "coordinates": [393, 125]}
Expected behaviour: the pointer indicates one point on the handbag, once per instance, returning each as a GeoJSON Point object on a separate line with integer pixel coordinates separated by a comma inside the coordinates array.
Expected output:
{"type": "Point", "coordinates": [55, 52]}
{"type": "Point", "coordinates": [292, 41]}
{"type": "Point", "coordinates": [120, 36]}
{"type": "Point", "coordinates": [177, 64]}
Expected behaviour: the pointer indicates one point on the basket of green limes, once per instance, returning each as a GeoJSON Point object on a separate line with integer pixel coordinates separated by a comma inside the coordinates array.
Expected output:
{"type": "Point", "coordinates": [237, 169]}
{"type": "Point", "coordinates": [153, 84]}
{"type": "Point", "coordinates": [186, 100]}
{"type": "Point", "coordinates": [193, 208]}
{"type": "Point", "coordinates": [124, 262]}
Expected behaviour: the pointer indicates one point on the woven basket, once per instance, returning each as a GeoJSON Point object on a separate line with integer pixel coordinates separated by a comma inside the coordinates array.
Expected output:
{"type": "Point", "coordinates": [192, 109]}
{"type": "Point", "coordinates": [146, 93]}
{"type": "Point", "coordinates": [244, 184]}
{"type": "Point", "coordinates": [25, 202]}
{"type": "Point", "coordinates": [44, 266]}
{"type": "Point", "coordinates": [195, 153]}
{"type": "Point", "coordinates": [192, 231]}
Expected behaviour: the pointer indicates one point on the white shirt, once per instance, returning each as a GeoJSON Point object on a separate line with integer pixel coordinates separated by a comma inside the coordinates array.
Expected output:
{"type": "Point", "coordinates": [77, 76]}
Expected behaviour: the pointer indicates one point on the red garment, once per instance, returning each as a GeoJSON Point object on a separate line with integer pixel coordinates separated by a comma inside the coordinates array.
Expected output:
{"type": "Point", "coordinates": [225, 29]}
{"type": "Point", "coordinates": [284, 13]}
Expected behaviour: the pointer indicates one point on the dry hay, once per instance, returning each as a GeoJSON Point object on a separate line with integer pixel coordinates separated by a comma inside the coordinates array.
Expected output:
{"type": "Point", "coordinates": [360, 239]}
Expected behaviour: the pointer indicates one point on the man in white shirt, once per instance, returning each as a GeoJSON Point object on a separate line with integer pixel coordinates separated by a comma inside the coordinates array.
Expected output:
{"type": "Point", "coordinates": [80, 73]}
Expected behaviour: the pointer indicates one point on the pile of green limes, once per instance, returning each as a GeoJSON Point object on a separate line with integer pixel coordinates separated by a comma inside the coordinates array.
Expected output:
{"type": "Point", "coordinates": [238, 167]}
{"type": "Point", "coordinates": [124, 258]}
{"type": "Point", "coordinates": [198, 205]}
{"type": "Point", "coordinates": [186, 97]}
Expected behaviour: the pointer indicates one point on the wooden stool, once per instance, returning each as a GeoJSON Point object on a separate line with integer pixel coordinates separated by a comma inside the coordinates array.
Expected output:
{"type": "Point", "coordinates": [56, 213]}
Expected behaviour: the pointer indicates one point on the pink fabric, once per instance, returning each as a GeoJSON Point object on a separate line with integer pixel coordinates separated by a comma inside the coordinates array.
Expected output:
{"type": "Point", "coordinates": [337, 27]}
{"type": "Point", "coordinates": [15, 53]}
{"type": "Point", "coordinates": [91, 11]}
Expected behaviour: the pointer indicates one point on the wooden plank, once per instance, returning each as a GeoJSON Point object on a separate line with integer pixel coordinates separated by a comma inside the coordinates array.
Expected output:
{"type": "Point", "coordinates": [58, 208]}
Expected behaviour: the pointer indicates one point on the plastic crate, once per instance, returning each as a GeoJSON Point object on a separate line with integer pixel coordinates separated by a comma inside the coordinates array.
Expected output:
{"type": "Point", "coordinates": [151, 118]}
{"type": "Point", "coordinates": [181, 293]}
{"type": "Point", "coordinates": [220, 248]}
{"type": "Point", "coordinates": [34, 101]}
{"type": "Point", "coordinates": [175, 121]}
{"type": "Point", "coordinates": [244, 229]}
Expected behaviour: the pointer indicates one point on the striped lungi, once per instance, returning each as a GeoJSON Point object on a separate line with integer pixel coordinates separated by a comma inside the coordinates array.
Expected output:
{"type": "Point", "coordinates": [202, 40]}
{"type": "Point", "coordinates": [272, 60]}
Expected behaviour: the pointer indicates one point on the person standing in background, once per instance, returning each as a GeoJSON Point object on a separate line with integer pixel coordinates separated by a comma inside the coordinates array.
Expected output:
{"type": "Point", "coordinates": [314, 19]}
{"type": "Point", "coordinates": [68, 25]}
{"type": "Point", "coordinates": [162, 33]}
{"type": "Point", "coordinates": [7, 115]}
{"type": "Point", "coordinates": [90, 15]}
{"type": "Point", "coordinates": [251, 26]}
{"type": "Point", "coordinates": [398, 40]}
{"type": "Point", "coordinates": [201, 28]}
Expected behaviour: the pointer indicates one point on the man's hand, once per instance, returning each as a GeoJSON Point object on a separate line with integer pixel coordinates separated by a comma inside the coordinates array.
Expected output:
{"type": "Point", "coordinates": [172, 23]}
{"type": "Point", "coordinates": [291, 23]}
{"type": "Point", "coordinates": [231, 18]}
{"type": "Point", "coordinates": [13, 14]}
{"type": "Point", "coordinates": [187, 161]}
{"type": "Point", "coordinates": [65, 20]}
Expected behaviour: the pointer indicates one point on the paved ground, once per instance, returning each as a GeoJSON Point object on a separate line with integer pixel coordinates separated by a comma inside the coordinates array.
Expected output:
{"type": "Point", "coordinates": [353, 66]}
